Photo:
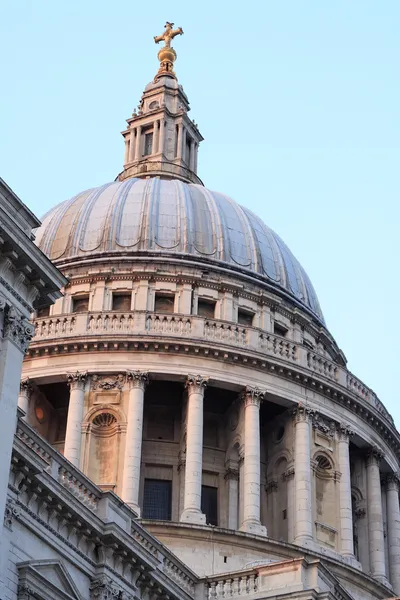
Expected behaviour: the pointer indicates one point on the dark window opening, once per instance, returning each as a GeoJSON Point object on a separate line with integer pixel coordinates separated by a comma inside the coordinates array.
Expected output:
{"type": "Point", "coordinates": [209, 504]}
{"type": "Point", "coordinates": [80, 304]}
{"type": "Point", "coordinates": [157, 499]}
{"type": "Point", "coordinates": [225, 559]}
{"type": "Point", "coordinates": [121, 302]}
{"type": "Point", "coordinates": [284, 514]}
{"type": "Point", "coordinates": [164, 304]}
{"type": "Point", "coordinates": [245, 318]}
{"type": "Point", "coordinates": [148, 144]}
{"type": "Point", "coordinates": [43, 312]}
{"type": "Point", "coordinates": [187, 155]}
{"type": "Point", "coordinates": [176, 140]}
{"type": "Point", "coordinates": [280, 329]}
{"type": "Point", "coordinates": [206, 308]}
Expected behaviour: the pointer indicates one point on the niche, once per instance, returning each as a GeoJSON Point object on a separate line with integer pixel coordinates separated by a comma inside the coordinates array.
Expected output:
{"type": "Point", "coordinates": [104, 443]}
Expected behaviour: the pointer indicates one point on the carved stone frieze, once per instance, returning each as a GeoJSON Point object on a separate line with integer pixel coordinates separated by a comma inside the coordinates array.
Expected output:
{"type": "Point", "coordinates": [107, 382]}
{"type": "Point", "coordinates": [17, 329]}
{"type": "Point", "coordinates": [103, 588]}
{"type": "Point", "coordinates": [12, 511]}
{"type": "Point", "coordinates": [252, 395]}
{"type": "Point", "coordinates": [137, 379]}
{"type": "Point", "coordinates": [324, 425]}
{"type": "Point", "coordinates": [77, 380]}
{"type": "Point", "coordinates": [344, 432]}
{"type": "Point", "coordinates": [196, 384]}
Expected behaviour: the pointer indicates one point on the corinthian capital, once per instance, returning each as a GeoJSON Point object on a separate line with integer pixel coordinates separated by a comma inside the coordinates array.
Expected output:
{"type": "Point", "coordinates": [196, 384]}
{"type": "Point", "coordinates": [252, 395]}
{"type": "Point", "coordinates": [26, 387]}
{"type": "Point", "coordinates": [344, 432]}
{"type": "Point", "coordinates": [392, 481]}
{"type": "Point", "coordinates": [17, 329]}
{"type": "Point", "coordinates": [76, 381]}
{"type": "Point", "coordinates": [137, 379]}
{"type": "Point", "coordinates": [374, 456]}
{"type": "Point", "coordinates": [302, 413]}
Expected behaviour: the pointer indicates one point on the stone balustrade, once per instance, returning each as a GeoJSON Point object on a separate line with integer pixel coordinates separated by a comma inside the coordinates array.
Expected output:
{"type": "Point", "coordinates": [143, 323]}
{"type": "Point", "coordinates": [245, 584]}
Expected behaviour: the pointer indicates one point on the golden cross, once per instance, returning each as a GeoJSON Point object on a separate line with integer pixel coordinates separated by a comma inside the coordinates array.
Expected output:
{"type": "Point", "coordinates": [168, 34]}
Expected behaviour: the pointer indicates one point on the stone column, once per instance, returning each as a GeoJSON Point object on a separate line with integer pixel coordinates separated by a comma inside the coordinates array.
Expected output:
{"type": "Point", "coordinates": [288, 476]}
{"type": "Point", "coordinates": [73, 436]}
{"type": "Point", "coordinates": [393, 527]}
{"type": "Point", "coordinates": [132, 145]}
{"type": "Point", "coordinates": [25, 392]}
{"type": "Point", "coordinates": [303, 526]}
{"type": "Point", "coordinates": [133, 444]}
{"type": "Point", "coordinates": [195, 385]}
{"type": "Point", "coordinates": [251, 468]}
{"type": "Point", "coordinates": [192, 153]}
{"type": "Point", "coordinates": [126, 156]}
{"type": "Point", "coordinates": [346, 516]}
{"type": "Point", "coordinates": [232, 483]}
{"type": "Point", "coordinates": [196, 153]}
{"type": "Point", "coordinates": [16, 333]}
{"type": "Point", "coordinates": [138, 148]}
{"type": "Point", "coordinates": [162, 136]}
{"type": "Point", "coordinates": [156, 137]}
{"type": "Point", "coordinates": [375, 515]}
{"type": "Point", "coordinates": [179, 143]}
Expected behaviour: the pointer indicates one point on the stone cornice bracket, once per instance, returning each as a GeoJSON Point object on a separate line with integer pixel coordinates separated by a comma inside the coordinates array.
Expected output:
{"type": "Point", "coordinates": [17, 329]}
{"type": "Point", "coordinates": [26, 387]}
{"type": "Point", "coordinates": [288, 474]}
{"type": "Point", "coordinates": [344, 432]}
{"type": "Point", "coordinates": [137, 379]}
{"type": "Point", "coordinates": [107, 382]}
{"type": "Point", "coordinates": [302, 413]}
{"type": "Point", "coordinates": [392, 481]}
{"type": "Point", "coordinates": [252, 395]}
{"type": "Point", "coordinates": [77, 381]}
{"type": "Point", "coordinates": [103, 588]}
{"type": "Point", "coordinates": [196, 384]}
{"type": "Point", "coordinates": [374, 455]}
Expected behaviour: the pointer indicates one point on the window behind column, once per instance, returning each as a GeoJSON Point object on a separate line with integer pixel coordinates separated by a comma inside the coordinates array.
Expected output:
{"type": "Point", "coordinates": [157, 499]}
{"type": "Point", "coordinates": [209, 504]}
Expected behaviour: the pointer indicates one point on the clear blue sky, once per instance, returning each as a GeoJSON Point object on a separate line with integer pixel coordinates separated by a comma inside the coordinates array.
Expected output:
{"type": "Point", "coordinates": [298, 102]}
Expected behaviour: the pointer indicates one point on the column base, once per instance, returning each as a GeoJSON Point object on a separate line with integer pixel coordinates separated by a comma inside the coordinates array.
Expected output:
{"type": "Point", "coordinates": [253, 527]}
{"type": "Point", "coordinates": [190, 515]}
{"type": "Point", "coordinates": [305, 542]}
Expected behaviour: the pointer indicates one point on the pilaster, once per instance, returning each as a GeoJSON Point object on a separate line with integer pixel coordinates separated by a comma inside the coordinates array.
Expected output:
{"type": "Point", "coordinates": [302, 416]}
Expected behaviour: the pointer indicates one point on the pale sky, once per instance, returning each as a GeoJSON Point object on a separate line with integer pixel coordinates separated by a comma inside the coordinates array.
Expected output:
{"type": "Point", "coordinates": [298, 102]}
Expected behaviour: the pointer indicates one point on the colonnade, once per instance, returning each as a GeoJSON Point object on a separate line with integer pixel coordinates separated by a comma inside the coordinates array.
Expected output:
{"type": "Point", "coordinates": [301, 493]}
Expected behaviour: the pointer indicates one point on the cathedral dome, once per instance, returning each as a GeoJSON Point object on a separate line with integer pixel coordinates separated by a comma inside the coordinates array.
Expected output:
{"type": "Point", "coordinates": [178, 221]}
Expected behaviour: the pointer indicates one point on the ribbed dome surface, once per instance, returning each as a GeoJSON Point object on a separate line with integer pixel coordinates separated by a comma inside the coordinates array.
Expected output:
{"type": "Point", "coordinates": [154, 216]}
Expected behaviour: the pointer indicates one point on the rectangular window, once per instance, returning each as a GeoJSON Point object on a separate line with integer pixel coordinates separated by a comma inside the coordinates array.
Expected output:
{"type": "Point", "coordinates": [148, 144]}
{"type": "Point", "coordinates": [157, 499]}
{"type": "Point", "coordinates": [245, 318]}
{"type": "Point", "coordinates": [80, 304]}
{"type": "Point", "coordinates": [43, 312]}
{"type": "Point", "coordinates": [164, 303]}
{"type": "Point", "coordinates": [280, 329]}
{"type": "Point", "coordinates": [121, 302]}
{"type": "Point", "coordinates": [206, 308]}
{"type": "Point", "coordinates": [209, 504]}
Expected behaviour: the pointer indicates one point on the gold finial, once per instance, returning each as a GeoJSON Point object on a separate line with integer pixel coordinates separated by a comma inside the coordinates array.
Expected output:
{"type": "Point", "coordinates": [167, 54]}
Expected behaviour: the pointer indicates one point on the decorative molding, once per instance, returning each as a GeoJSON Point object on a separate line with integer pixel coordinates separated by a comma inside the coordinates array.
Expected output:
{"type": "Point", "coordinates": [137, 379]}
{"type": "Point", "coordinates": [196, 384]}
{"type": "Point", "coordinates": [324, 425]}
{"type": "Point", "coordinates": [77, 380]}
{"type": "Point", "coordinates": [252, 396]}
{"type": "Point", "coordinates": [107, 382]}
{"type": "Point", "coordinates": [12, 510]}
{"type": "Point", "coordinates": [360, 513]}
{"type": "Point", "coordinates": [272, 486]}
{"type": "Point", "coordinates": [103, 588]}
{"type": "Point", "coordinates": [288, 474]}
{"type": "Point", "coordinates": [302, 413]}
{"type": "Point", "coordinates": [392, 481]}
{"type": "Point", "coordinates": [17, 329]}
{"type": "Point", "coordinates": [13, 292]}
{"type": "Point", "coordinates": [231, 474]}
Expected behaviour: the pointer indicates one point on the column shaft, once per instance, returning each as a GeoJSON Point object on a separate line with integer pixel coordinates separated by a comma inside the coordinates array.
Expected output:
{"type": "Point", "coordinates": [232, 481]}
{"type": "Point", "coordinates": [162, 136]}
{"type": "Point", "coordinates": [133, 443]}
{"type": "Point", "coordinates": [126, 156]}
{"type": "Point", "coordinates": [179, 144]}
{"type": "Point", "coordinates": [375, 516]}
{"type": "Point", "coordinates": [346, 515]}
{"type": "Point", "coordinates": [73, 435]}
{"type": "Point", "coordinates": [194, 451]}
{"type": "Point", "coordinates": [138, 148]}
{"type": "Point", "coordinates": [393, 527]}
{"type": "Point", "coordinates": [303, 528]}
{"type": "Point", "coordinates": [25, 392]}
{"type": "Point", "coordinates": [132, 145]}
{"type": "Point", "coordinates": [251, 468]}
{"type": "Point", "coordinates": [156, 137]}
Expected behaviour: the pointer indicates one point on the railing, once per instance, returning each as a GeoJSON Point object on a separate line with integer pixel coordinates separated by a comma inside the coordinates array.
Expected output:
{"type": "Point", "coordinates": [215, 331]}
{"type": "Point", "coordinates": [167, 168]}
{"type": "Point", "coordinates": [229, 587]}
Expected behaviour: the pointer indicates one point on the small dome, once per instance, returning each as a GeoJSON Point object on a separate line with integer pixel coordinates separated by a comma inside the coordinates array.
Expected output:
{"type": "Point", "coordinates": [164, 217]}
